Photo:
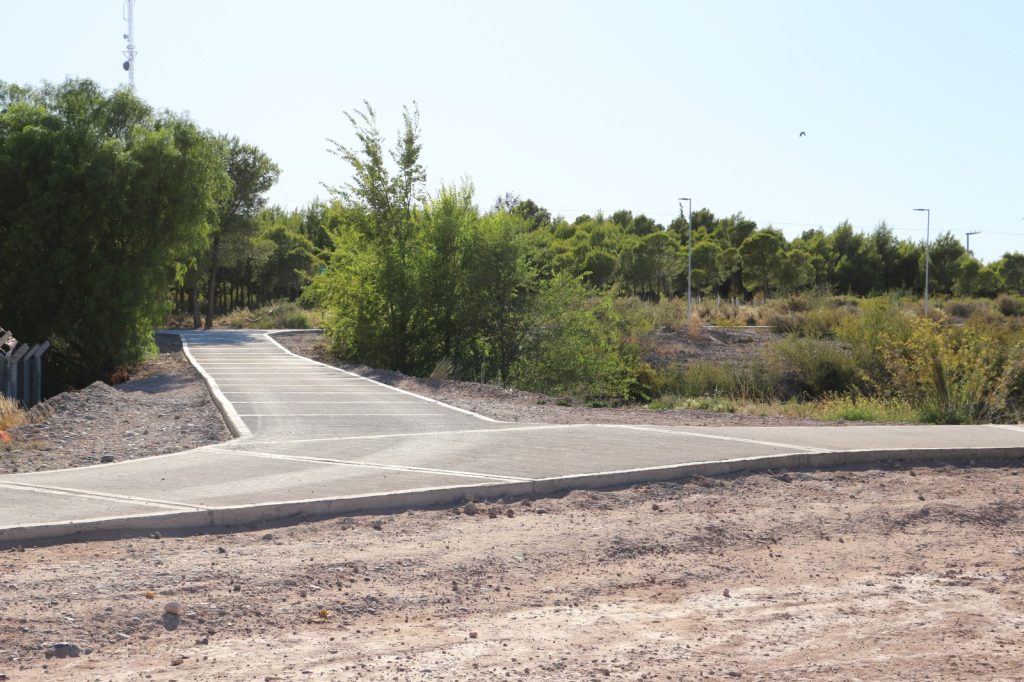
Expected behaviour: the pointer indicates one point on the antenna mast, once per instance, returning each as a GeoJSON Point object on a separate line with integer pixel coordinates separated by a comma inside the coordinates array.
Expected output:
{"type": "Point", "coordinates": [130, 52]}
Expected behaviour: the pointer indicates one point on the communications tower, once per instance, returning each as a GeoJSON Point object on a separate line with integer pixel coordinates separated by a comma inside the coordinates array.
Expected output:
{"type": "Point", "coordinates": [129, 51]}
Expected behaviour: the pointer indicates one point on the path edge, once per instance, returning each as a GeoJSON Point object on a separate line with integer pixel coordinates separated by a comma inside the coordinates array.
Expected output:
{"type": "Point", "coordinates": [426, 498]}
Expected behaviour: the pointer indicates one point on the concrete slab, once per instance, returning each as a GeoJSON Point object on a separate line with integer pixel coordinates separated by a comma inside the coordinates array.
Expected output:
{"type": "Point", "coordinates": [857, 437]}
{"type": "Point", "coordinates": [218, 479]}
{"type": "Point", "coordinates": [530, 452]}
{"type": "Point", "coordinates": [25, 506]}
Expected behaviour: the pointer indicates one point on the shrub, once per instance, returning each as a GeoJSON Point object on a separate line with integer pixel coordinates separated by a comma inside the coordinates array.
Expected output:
{"type": "Point", "coordinates": [575, 346]}
{"type": "Point", "coordinates": [755, 381]}
{"type": "Point", "coordinates": [1010, 306]}
{"type": "Point", "coordinates": [879, 323]}
{"type": "Point", "coordinates": [947, 372]}
{"type": "Point", "coordinates": [813, 367]}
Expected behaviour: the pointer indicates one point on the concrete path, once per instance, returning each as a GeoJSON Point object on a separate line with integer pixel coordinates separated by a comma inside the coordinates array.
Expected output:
{"type": "Point", "coordinates": [315, 440]}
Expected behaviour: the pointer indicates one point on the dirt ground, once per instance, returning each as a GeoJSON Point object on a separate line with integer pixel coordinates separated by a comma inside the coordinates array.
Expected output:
{"type": "Point", "coordinates": [164, 407]}
{"type": "Point", "coordinates": [880, 573]}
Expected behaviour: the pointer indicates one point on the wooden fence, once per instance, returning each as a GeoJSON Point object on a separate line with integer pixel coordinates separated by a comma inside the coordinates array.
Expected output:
{"type": "Point", "coordinates": [21, 369]}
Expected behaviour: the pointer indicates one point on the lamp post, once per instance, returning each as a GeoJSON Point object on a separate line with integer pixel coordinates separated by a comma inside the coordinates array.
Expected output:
{"type": "Point", "coordinates": [969, 240]}
{"type": "Point", "coordinates": [927, 234]}
{"type": "Point", "coordinates": [689, 256]}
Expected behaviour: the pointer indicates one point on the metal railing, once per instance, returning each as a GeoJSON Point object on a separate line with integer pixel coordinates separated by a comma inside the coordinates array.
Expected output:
{"type": "Point", "coordinates": [21, 369]}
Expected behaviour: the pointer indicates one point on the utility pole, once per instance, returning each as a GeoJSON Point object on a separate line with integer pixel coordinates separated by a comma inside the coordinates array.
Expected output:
{"type": "Point", "coordinates": [927, 239]}
{"type": "Point", "coordinates": [130, 51]}
{"type": "Point", "coordinates": [689, 257]}
{"type": "Point", "coordinates": [969, 241]}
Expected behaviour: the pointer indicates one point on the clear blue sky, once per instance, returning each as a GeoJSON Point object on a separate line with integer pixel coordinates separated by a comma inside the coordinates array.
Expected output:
{"type": "Point", "coordinates": [587, 106]}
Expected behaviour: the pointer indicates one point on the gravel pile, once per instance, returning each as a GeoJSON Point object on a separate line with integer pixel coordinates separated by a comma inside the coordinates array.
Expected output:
{"type": "Point", "coordinates": [164, 408]}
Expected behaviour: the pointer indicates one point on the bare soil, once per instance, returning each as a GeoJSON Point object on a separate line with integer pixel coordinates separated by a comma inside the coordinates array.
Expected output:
{"type": "Point", "coordinates": [864, 573]}
{"type": "Point", "coordinates": [164, 407]}
{"type": "Point", "coordinates": [513, 405]}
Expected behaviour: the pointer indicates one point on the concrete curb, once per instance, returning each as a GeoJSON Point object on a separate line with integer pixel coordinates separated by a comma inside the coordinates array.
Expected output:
{"type": "Point", "coordinates": [421, 498]}
{"type": "Point", "coordinates": [234, 423]}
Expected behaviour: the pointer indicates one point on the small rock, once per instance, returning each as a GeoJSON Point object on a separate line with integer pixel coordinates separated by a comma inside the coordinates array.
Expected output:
{"type": "Point", "coordinates": [65, 649]}
{"type": "Point", "coordinates": [785, 477]}
{"type": "Point", "coordinates": [492, 513]}
{"type": "Point", "coordinates": [921, 497]}
{"type": "Point", "coordinates": [106, 459]}
{"type": "Point", "coordinates": [177, 661]}
{"type": "Point", "coordinates": [155, 535]}
{"type": "Point", "coordinates": [123, 636]}
{"type": "Point", "coordinates": [510, 512]}
{"type": "Point", "coordinates": [469, 509]}
{"type": "Point", "coordinates": [378, 525]}
{"type": "Point", "coordinates": [725, 592]}
{"type": "Point", "coordinates": [473, 634]}
{"type": "Point", "coordinates": [268, 536]}
{"type": "Point", "coordinates": [541, 510]}
{"type": "Point", "coordinates": [656, 507]}
{"type": "Point", "coordinates": [173, 608]}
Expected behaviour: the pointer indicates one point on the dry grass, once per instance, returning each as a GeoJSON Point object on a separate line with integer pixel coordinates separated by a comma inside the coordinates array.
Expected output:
{"type": "Point", "coordinates": [11, 413]}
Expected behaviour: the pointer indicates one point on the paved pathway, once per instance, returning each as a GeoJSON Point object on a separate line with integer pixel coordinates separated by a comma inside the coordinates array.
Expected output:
{"type": "Point", "coordinates": [316, 439]}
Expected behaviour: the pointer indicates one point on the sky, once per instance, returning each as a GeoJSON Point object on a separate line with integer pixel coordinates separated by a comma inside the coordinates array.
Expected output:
{"type": "Point", "coordinates": [598, 106]}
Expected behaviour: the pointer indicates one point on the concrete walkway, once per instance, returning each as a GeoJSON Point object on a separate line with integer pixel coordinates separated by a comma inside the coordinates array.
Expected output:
{"type": "Point", "coordinates": [317, 440]}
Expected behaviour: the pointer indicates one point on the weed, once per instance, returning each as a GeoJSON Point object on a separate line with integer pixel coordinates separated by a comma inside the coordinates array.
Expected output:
{"type": "Point", "coordinates": [11, 413]}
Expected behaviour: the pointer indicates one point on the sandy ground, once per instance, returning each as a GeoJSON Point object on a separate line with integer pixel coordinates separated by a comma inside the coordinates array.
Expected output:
{"type": "Point", "coordinates": [864, 573]}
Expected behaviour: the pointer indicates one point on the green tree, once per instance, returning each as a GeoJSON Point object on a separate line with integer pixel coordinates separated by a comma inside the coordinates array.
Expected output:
{"type": "Point", "coordinates": [101, 200]}
{"type": "Point", "coordinates": [1011, 268]}
{"type": "Point", "coordinates": [252, 175]}
{"type": "Point", "coordinates": [761, 254]}
{"type": "Point", "coordinates": [372, 285]}
{"type": "Point", "coordinates": [945, 254]}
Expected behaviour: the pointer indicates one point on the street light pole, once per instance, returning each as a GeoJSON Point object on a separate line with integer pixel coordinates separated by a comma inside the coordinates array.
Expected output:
{"type": "Point", "coordinates": [969, 241]}
{"type": "Point", "coordinates": [689, 257]}
{"type": "Point", "coordinates": [927, 235]}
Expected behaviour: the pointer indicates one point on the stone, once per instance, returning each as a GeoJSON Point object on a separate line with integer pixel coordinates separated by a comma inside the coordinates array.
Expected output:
{"type": "Point", "coordinates": [173, 608]}
{"type": "Point", "coordinates": [65, 649]}
{"type": "Point", "coordinates": [106, 459]}
{"type": "Point", "coordinates": [268, 536]}
{"type": "Point", "coordinates": [510, 512]}
{"type": "Point", "coordinates": [123, 636]}
{"type": "Point", "coordinates": [155, 535]}
{"type": "Point", "coordinates": [177, 661]}
{"type": "Point", "coordinates": [221, 550]}
{"type": "Point", "coordinates": [473, 634]}
{"type": "Point", "coordinates": [469, 509]}
{"type": "Point", "coordinates": [725, 592]}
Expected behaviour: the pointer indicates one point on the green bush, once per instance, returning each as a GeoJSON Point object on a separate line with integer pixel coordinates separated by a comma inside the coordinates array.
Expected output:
{"type": "Point", "coordinates": [755, 381]}
{"type": "Point", "coordinates": [812, 367]}
{"type": "Point", "coordinates": [574, 347]}
{"type": "Point", "coordinates": [948, 373]}
{"type": "Point", "coordinates": [866, 334]}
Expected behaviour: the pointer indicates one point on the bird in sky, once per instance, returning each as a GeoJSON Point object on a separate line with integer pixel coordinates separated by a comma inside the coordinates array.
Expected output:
{"type": "Point", "coordinates": [802, 134]}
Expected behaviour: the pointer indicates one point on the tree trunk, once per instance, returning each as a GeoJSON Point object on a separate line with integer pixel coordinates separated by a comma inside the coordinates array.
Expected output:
{"type": "Point", "coordinates": [193, 293]}
{"type": "Point", "coordinates": [211, 299]}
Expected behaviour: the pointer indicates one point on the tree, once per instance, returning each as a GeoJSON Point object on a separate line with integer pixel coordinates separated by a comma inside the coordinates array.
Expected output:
{"type": "Point", "coordinates": [102, 202]}
{"type": "Point", "coordinates": [945, 254]}
{"type": "Point", "coordinates": [707, 270]}
{"type": "Point", "coordinates": [761, 254]}
{"type": "Point", "coordinates": [1011, 268]}
{"type": "Point", "coordinates": [252, 175]}
{"type": "Point", "coordinates": [375, 291]}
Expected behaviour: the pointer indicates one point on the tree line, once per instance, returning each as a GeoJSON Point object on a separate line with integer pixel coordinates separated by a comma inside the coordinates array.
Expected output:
{"type": "Point", "coordinates": [113, 213]}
